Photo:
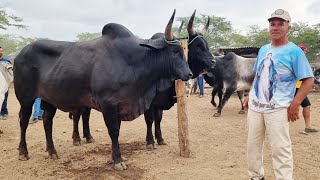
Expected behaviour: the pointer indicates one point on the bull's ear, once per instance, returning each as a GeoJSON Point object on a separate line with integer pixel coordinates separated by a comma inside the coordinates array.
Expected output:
{"type": "Point", "coordinates": [153, 43]}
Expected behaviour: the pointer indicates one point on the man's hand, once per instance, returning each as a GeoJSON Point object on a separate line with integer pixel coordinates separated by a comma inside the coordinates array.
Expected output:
{"type": "Point", "coordinates": [293, 111]}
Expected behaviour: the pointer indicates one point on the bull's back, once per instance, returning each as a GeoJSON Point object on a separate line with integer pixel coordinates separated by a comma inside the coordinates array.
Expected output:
{"type": "Point", "coordinates": [32, 62]}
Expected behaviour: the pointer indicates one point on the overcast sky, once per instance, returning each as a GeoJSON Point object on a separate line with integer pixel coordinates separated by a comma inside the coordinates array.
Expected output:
{"type": "Point", "coordinates": [65, 19]}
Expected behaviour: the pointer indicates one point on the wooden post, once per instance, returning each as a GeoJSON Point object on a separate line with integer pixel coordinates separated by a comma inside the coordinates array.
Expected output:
{"type": "Point", "coordinates": [183, 131]}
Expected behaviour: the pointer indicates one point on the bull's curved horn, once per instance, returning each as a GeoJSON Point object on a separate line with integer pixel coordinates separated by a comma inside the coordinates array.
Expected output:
{"type": "Point", "coordinates": [176, 34]}
{"type": "Point", "coordinates": [205, 29]}
{"type": "Point", "coordinates": [167, 33]}
{"type": "Point", "coordinates": [191, 32]}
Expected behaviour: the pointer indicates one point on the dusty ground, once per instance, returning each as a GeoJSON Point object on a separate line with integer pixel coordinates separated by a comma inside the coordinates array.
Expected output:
{"type": "Point", "coordinates": [218, 147]}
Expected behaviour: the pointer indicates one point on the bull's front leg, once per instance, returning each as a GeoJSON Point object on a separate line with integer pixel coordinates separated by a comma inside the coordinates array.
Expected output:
{"type": "Point", "coordinates": [113, 122]}
{"type": "Point", "coordinates": [148, 117]}
{"type": "Point", "coordinates": [75, 134]}
{"type": "Point", "coordinates": [225, 98]}
{"type": "Point", "coordinates": [24, 115]}
{"type": "Point", "coordinates": [240, 95]}
{"type": "Point", "coordinates": [214, 92]}
{"type": "Point", "coordinates": [158, 117]}
{"type": "Point", "coordinates": [86, 126]}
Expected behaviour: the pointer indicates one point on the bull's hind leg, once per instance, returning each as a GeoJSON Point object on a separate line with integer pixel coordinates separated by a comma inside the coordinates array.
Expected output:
{"type": "Point", "coordinates": [86, 127]}
{"type": "Point", "coordinates": [240, 95]}
{"type": "Point", "coordinates": [113, 122]}
{"type": "Point", "coordinates": [148, 117]}
{"type": "Point", "coordinates": [49, 112]}
{"type": "Point", "coordinates": [24, 115]}
{"type": "Point", "coordinates": [158, 117]}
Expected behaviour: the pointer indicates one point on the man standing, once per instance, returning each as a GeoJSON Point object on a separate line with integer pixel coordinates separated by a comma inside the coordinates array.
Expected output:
{"type": "Point", "coordinates": [4, 109]}
{"type": "Point", "coordinates": [272, 118]}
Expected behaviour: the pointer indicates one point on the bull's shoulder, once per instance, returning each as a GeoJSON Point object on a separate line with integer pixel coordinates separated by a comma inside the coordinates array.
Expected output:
{"type": "Point", "coordinates": [114, 30]}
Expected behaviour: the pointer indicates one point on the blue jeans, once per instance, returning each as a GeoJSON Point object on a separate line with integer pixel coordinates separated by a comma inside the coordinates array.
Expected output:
{"type": "Point", "coordinates": [200, 84]}
{"type": "Point", "coordinates": [4, 109]}
{"type": "Point", "coordinates": [37, 111]}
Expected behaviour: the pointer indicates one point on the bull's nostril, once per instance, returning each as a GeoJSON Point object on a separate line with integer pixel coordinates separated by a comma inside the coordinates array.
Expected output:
{"type": "Point", "coordinates": [190, 75]}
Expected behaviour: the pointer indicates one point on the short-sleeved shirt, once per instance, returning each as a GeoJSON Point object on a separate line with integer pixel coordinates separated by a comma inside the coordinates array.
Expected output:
{"type": "Point", "coordinates": [277, 70]}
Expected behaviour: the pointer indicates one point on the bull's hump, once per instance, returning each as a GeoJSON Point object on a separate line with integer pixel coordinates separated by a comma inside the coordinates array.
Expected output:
{"type": "Point", "coordinates": [114, 30]}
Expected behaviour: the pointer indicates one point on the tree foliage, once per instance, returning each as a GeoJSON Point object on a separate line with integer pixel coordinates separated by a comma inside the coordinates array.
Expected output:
{"type": "Point", "coordinates": [87, 36]}
{"type": "Point", "coordinates": [309, 35]}
{"type": "Point", "coordinates": [222, 34]}
{"type": "Point", "coordinates": [7, 20]}
{"type": "Point", "coordinates": [12, 45]}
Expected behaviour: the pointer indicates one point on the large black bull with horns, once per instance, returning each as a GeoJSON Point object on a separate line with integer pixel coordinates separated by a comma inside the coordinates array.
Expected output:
{"type": "Point", "coordinates": [199, 58]}
{"type": "Point", "coordinates": [117, 74]}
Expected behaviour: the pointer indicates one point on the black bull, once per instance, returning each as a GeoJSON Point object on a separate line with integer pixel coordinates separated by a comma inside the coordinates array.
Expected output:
{"type": "Point", "coordinates": [117, 74]}
{"type": "Point", "coordinates": [199, 58]}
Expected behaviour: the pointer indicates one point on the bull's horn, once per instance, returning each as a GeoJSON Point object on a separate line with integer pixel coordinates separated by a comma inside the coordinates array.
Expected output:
{"type": "Point", "coordinates": [176, 34]}
{"type": "Point", "coordinates": [191, 32]}
{"type": "Point", "coordinates": [168, 34]}
{"type": "Point", "coordinates": [205, 29]}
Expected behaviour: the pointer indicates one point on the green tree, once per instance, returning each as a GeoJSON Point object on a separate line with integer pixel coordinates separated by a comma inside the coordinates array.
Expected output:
{"type": "Point", "coordinates": [12, 45]}
{"type": "Point", "coordinates": [87, 36]}
{"type": "Point", "coordinates": [7, 20]}
{"type": "Point", "coordinates": [220, 31]}
{"type": "Point", "coordinates": [309, 35]}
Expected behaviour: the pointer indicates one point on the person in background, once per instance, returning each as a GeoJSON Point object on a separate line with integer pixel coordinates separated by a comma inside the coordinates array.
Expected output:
{"type": "Point", "coordinates": [37, 111]}
{"type": "Point", "coordinates": [201, 85]}
{"type": "Point", "coordinates": [272, 118]}
{"type": "Point", "coordinates": [305, 103]}
{"type": "Point", "coordinates": [4, 109]}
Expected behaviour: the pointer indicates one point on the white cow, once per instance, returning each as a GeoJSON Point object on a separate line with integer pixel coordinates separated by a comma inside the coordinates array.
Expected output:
{"type": "Point", "coordinates": [6, 77]}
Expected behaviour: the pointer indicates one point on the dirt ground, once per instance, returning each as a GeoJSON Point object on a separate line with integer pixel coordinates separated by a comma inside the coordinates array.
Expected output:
{"type": "Point", "coordinates": [218, 147]}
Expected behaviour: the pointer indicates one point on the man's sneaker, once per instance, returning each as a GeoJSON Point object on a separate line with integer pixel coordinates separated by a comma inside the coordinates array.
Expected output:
{"type": "Point", "coordinates": [310, 130]}
{"type": "Point", "coordinates": [40, 118]}
{"type": "Point", "coordinates": [33, 120]}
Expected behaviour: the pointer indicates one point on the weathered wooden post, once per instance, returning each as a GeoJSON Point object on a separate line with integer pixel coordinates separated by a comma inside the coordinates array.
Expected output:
{"type": "Point", "coordinates": [183, 131]}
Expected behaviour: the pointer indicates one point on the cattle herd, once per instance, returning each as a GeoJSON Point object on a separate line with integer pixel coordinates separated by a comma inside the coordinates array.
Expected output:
{"type": "Point", "coordinates": [121, 76]}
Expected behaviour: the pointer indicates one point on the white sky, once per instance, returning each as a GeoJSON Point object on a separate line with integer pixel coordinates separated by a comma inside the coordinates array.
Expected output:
{"type": "Point", "coordinates": [65, 19]}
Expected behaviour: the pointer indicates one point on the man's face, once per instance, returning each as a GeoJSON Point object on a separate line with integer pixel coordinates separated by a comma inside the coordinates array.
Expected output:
{"type": "Point", "coordinates": [278, 29]}
{"type": "Point", "coordinates": [1, 52]}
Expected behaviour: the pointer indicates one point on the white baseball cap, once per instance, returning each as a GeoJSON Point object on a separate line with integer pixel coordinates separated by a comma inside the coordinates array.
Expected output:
{"type": "Point", "coordinates": [282, 14]}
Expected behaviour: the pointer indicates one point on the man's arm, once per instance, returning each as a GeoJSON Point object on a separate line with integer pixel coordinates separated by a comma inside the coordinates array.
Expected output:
{"type": "Point", "coordinates": [293, 110]}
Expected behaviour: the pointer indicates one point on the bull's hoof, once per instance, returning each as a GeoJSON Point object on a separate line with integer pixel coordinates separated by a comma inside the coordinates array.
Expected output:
{"type": "Point", "coordinates": [242, 112]}
{"type": "Point", "coordinates": [120, 166]}
{"type": "Point", "coordinates": [90, 140]}
{"type": "Point", "coordinates": [162, 143]}
{"type": "Point", "coordinates": [214, 104]}
{"type": "Point", "coordinates": [24, 157]}
{"type": "Point", "coordinates": [151, 146]}
{"type": "Point", "coordinates": [54, 156]}
{"type": "Point", "coordinates": [77, 143]}
{"type": "Point", "coordinates": [216, 114]}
